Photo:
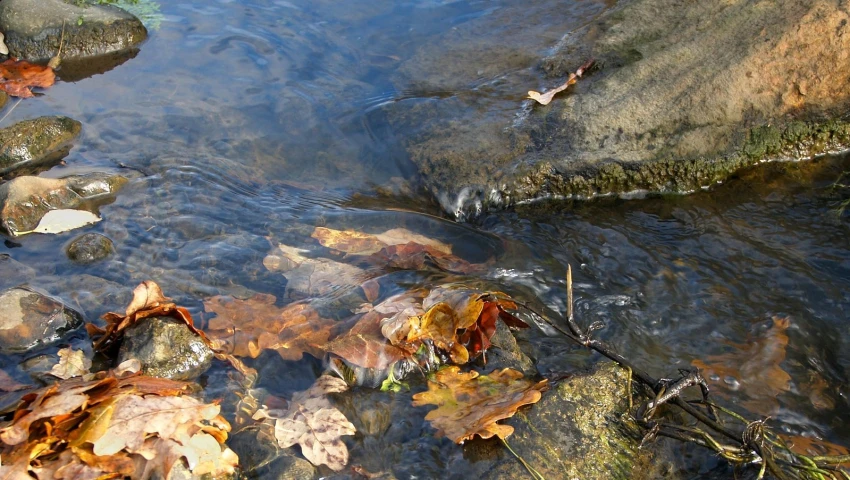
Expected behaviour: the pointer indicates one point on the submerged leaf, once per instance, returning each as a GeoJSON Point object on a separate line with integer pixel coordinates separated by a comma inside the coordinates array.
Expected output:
{"type": "Point", "coordinates": [314, 423]}
{"type": "Point", "coordinates": [244, 328]}
{"type": "Point", "coordinates": [470, 404]}
{"type": "Point", "coordinates": [755, 366]}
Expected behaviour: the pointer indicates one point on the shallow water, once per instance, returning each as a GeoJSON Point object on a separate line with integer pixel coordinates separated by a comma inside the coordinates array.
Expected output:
{"type": "Point", "coordinates": [252, 122]}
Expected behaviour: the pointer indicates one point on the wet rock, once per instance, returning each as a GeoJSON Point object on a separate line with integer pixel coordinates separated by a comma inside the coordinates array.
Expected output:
{"type": "Point", "coordinates": [579, 429]}
{"type": "Point", "coordinates": [166, 348]}
{"type": "Point", "coordinates": [686, 94]}
{"type": "Point", "coordinates": [24, 200]}
{"type": "Point", "coordinates": [29, 318]}
{"type": "Point", "coordinates": [89, 248]}
{"type": "Point", "coordinates": [91, 295]}
{"type": "Point", "coordinates": [33, 28]}
{"type": "Point", "coordinates": [30, 146]}
{"type": "Point", "coordinates": [506, 353]}
{"type": "Point", "coordinates": [260, 456]}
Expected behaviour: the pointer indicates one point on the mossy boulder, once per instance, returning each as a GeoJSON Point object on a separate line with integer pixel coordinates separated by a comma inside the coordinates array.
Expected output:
{"type": "Point", "coordinates": [581, 428]}
{"type": "Point", "coordinates": [34, 28]}
{"type": "Point", "coordinates": [31, 146]}
{"type": "Point", "coordinates": [683, 95]}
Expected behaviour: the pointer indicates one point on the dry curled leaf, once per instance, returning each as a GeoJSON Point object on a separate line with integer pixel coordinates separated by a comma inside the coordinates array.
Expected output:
{"type": "Point", "coordinates": [18, 76]}
{"type": "Point", "coordinates": [72, 363]}
{"type": "Point", "coordinates": [546, 98]}
{"type": "Point", "coordinates": [314, 423]}
{"type": "Point", "coordinates": [244, 328]}
{"type": "Point", "coordinates": [365, 346]}
{"type": "Point", "coordinates": [148, 301]}
{"type": "Point", "coordinates": [470, 404]}
{"type": "Point", "coordinates": [113, 426]}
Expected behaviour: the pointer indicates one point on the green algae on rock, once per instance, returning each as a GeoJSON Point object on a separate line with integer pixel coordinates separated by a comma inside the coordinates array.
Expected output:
{"type": "Point", "coordinates": [30, 146]}
{"type": "Point", "coordinates": [33, 28]}
{"type": "Point", "coordinates": [685, 94]}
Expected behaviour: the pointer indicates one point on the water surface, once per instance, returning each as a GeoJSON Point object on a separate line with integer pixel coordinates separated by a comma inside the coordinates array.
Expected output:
{"type": "Point", "coordinates": [252, 122]}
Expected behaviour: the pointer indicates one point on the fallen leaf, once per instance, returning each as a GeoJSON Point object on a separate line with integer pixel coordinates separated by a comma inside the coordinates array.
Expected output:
{"type": "Point", "coordinates": [148, 301]}
{"type": "Point", "coordinates": [63, 220]}
{"type": "Point", "coordinates": [403, 236]}
{"type": "Point", "coordinates": [754, 368]}
{"type": "Point", "coordinates": [314, 423]}
{"type": "Point", "coordinates": [813, 447]}
{"type": "Point", "coordinates": [414, 256]}
{"type": "Point", "coordinates": [72, 363]}
{"type": "Point", "coordinates": [312, 277]}
{"type": "Point", "coordinates": [113, 427]}
{"type": "Point", "coordinates": [18, 76]}
{"type": "Point", "coordinates": [470, 404]}
{"type": "Point", "coordinates": [545, 98]}
{"type": "Point", "coordinates": [4, 50]}
{"type": "Point", "coordinates": [365, 346]}
{"type": "Point", "coordinates": [348, 241]}
{"type": "Point", "coordinates": [244, 328]}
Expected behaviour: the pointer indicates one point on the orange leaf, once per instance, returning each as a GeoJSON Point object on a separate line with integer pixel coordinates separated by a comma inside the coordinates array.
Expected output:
{"type": "Point", "coordinates": [365, 346]}
{"type": "Point", "coordinates": [470, 404]}
{"type": "Point", "coordinates": [18, 76]}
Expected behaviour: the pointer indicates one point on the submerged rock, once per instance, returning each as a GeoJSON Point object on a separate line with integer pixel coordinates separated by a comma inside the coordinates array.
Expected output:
{"type": "Point", "coordinates": [29, 318]}
{"type": "Point", "coordinates": [33, 28]}
{"type": "Point", "coordinates": [580, 429]}
{"type": "Point", "coordinates": [30, 146]}
{"type": "Point", "coordinates": [685, 94]}
{"type": "Point", "coordinates": [89, 248]}
{"type": "Point", "coordinates": [166, 348]}
{"type": "Point", "coordinates": [25, 200]}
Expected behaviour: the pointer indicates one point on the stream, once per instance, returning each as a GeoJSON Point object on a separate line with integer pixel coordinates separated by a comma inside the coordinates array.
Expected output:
{"type": "Point", "coordinates": [253, 121]}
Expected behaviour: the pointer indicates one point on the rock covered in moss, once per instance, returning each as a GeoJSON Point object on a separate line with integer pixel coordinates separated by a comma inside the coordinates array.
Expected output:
{"type": "Point", "coordinates": [33, 28]}
{"type": "Point", "coordinates": [29, 318]}
{"type": "Point", "coordinates": [166, 348]}
{"type": "Point", "coordinates": [89, 248]}
{"type": "Point", "coordinates": [33, 145]}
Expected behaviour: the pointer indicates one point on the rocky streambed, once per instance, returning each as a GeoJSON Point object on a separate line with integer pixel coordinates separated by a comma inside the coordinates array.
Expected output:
{"type": "Point", "coordinates": [682, 96]}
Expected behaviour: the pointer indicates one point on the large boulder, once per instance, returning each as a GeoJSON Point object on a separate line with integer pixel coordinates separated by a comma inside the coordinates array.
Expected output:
{"type": "Point", "coordinates": [25, 200]}
{"type": "Point", "coordinates": [30, 146]}
{"type": "Point", "coordinates": [33, 28]}
{"type": "Point", "coordinates": [684, 94]}
{"type": "Point", "coordinates": [29, 318]}
{"type": "Point", "coordinates": [581, 428]}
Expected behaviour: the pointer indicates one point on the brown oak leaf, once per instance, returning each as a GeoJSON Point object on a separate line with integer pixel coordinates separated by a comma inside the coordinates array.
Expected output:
{"type": "Point", "coordinates": [314, 423]}
{"type": "Point", "coordinates": [244, 328]}
{"type": "Point", "coordinates": [470, 404]}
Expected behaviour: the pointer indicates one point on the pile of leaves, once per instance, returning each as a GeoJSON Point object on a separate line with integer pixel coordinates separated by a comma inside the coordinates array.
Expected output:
{"type": "Point", "coordinates": [114, 424]}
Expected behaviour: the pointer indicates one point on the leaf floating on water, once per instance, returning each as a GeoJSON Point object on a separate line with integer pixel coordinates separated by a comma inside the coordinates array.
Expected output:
{"type": "Point", "coordinates": [63, 220]}
{"type": "Point", "coordinates": [470, 404]}
{"type": "Point", "coordinates": [72, 363]}
{"type": "Point", "coordinates": [310, 277]}
{"type": "Point", "coordinates": [18, 76]}
{"type": "Point", "coordinates": [314, 423]}
{"type": "Point", "coordinates": [348, 241]}
{"type": "Point", "coordinates": [546, 98]}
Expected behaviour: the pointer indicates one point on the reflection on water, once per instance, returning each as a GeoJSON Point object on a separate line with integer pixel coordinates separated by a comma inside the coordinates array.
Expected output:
{"type": "Point", "coordinates": [253, 122]}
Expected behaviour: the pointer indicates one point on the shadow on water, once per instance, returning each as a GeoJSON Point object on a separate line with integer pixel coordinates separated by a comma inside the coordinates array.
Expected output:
{"type": "Point", "coordinates": [253, 122]}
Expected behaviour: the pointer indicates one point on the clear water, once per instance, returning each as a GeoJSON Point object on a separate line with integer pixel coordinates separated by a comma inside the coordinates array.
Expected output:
{"type": "Point", "coordinates": [255, 121]}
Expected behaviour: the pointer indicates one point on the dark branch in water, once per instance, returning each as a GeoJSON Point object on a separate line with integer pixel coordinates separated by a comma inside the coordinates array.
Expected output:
{"type": "Point", "coordinates": [750, 444]}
